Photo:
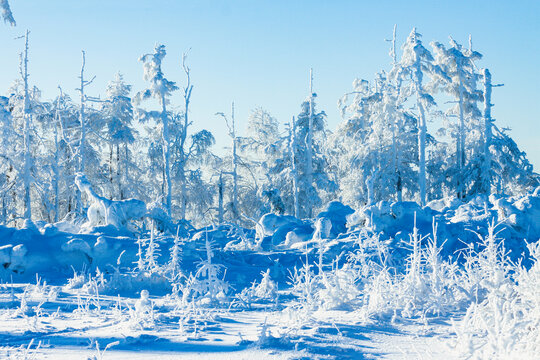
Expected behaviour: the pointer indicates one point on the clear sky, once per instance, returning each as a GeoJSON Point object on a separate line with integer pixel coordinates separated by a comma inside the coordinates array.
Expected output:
{"type": "Point", "coordinates": [258, 53]}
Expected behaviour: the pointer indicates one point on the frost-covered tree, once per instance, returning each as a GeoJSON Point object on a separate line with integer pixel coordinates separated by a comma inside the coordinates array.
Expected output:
{"type": "Point", "coordinates": [346, 143]}
{"type": "Point", "coordinates": [118, 113]}
{"type": "Point", "coordinates": [27, 152]}
{"type": "Point", "coordinates": [504, 167]}
{"type": "Point", "coordinates": [65, 115]}
{"type": "Point", "coordinates": [184, 154]}
{"type": "Point", "coordinates": [486, 167]}
{"type": "Point", "coordinates": [374, 148]}
{"type": "Point", "coordinates": [8, 170]}
{"type": "Point", "coordinates": [458, 78]}
{"type": "Point", "coordinates": [314, 182]}
{"type": "Point", "coordinates": [309, 144]}
{"type": "Point", "coordinates": [512, 173]}
{"type": "Point", "coordinates": [260, 149]}
{"type": "Point", "coordinates": [160, 89]}
{"type": "Point", "coordinates": [294, 172]}
{"type": "Point", "coordinates": [231, 127]}
{"type": "Point", "coordinates": [416, 61]}
{"type": "Point", "coordinates": [89, 126]}
{"type": "Point", "coordinates": [81, 152]}
{"type": "Point", "coordinates": [7, 15]}
{"type": "Point", "coordinates": [43, 166]}
{"type": "Point", "coordinates": [27, 176]}
{"type": "Point", "coordinates": [189, 152]}
{"type": "Point", "coordinates": [57, 152]}
{"type": "Point", "coordinates": [23, 106]}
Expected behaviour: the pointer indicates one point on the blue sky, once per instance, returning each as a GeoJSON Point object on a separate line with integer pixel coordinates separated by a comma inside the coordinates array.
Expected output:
{"type": "Point", "coordinates": [258, 53]}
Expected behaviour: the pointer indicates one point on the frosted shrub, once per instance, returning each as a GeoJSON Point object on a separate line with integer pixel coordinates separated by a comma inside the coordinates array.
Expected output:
{"type": "Point", "coordinates": [39, 293]}
{"type": "Point", "coordinates": [303, 284]}
{"type": "Point", "coordinates": [148, 274]}
{"type": "Point", "coordinates": [528, 292]}
{"type": "Point", "coordinates": [142, 315]}
{"type": "Point", "coordinates": [152, 252]}
{"type": "Point", "coordinates": [77, 281]}
{"type": "Point", "coordinates": [442, 278]}
{"type": "Point", "coordinates": [428, 285]}
{"type": "Point", "coordinates": [339, 288]}
{"type": "Point", "coordinates": [25, 352]}
{"type": "Point", "coordinates": [266, 290]}
{"type": "Point", "coordinates": [206, 287]}
{"type": "Point", "coordinates": [327, 289]}
{"type": "Point", "coordinates": [23, 308]}
{"type": "Point", "coordinates": [173, 267]}
{"type": "Point", "coordinates": [486, 270]}
{"type": "Point", "coordinates": [377, 294]}
{"type": "Point", "coordinates": [412, 289]}
{"type": "Point", "coordinates": [504, 322]}
{"type": "Point", "coordinates": [192, 318]}
{"type": "Point", "coordinates": [359, 282]}
{"type": "Point", "coordinates": [101, 353]}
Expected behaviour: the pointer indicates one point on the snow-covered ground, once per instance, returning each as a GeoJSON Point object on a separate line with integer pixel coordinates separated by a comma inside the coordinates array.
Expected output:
{"type": "Point", "coordinates": [390, 281]}
{"type": "Point", "coordinates": [230, 335]}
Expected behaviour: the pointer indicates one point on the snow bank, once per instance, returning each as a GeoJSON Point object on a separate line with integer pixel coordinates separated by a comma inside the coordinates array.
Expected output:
{"type": "Point", "coordinates": [50, 252]}
{"type": "Point", "coordinates": [521, 213]}
{"type": "Point", "coordinates": [458, 222]}
{"type": "Point", "coordinates": [276, 242]}
{"type": "Point", "coordinates": [391, 218]}
{"type": "Point", "coordinates": [337, 213]}
{"type": "Point", "coordinates": [286, 231]}
{"type": "Point", "coordinates": [272, 229]}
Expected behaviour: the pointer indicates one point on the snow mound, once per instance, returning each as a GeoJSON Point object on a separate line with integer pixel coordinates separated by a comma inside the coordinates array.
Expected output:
{"type": "Point", "coordinates": [391, 218]}
{"type": "Point", "coordinates": [457, 221]}
{"type": "Point", "coordinates": [103, 211]}
{"type": "Point", "coordinates": [522, 213]}
{"type": "Point", "coordinates": [337, 213]}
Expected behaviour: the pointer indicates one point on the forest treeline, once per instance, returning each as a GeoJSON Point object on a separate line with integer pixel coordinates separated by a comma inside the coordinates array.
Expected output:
{"type": "Point", "coordinates": [421, 130]}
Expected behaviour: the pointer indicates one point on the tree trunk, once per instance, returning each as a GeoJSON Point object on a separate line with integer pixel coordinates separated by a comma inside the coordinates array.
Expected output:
{"type": "Point", "coordinates": [220, 199]}
{"type": "Point", "coordinates": [166, 155]}
{"type": "Point", "coordinates": [486, 171]}
{"type": "Point", "coordinates": [422, 130]}
{"type": "Point", "coordinates": [56, 169]}
{"type": "Point", "coordinates": [126, 171]}
{"type": "Point", "coordinates": [309, 148]}
{"type": "Point", "coordinates": [235, 169]}
{"type": "Point", "coordinates": [294, 170]}
{"type": "Point", "coordinates": [27, 180]}
{"type": "Point", "coordinates": [461, 144]}
{"type": "Point", "coordinates": [111, 170]}
{"type": "Point", "coordinates": [82, 143]}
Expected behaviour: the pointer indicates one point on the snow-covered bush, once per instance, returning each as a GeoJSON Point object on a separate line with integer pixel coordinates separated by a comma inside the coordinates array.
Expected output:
{"type": "Point", "coordinates": [142, 314]}
{"type": "Point", "coordinates": [426, 285]}
{"type": "Point", "coordinates": [503, 321]}
{"type": "Point", "coordinates": [207, 286]}
{"type": "Point", "coordinates": [264, 291]}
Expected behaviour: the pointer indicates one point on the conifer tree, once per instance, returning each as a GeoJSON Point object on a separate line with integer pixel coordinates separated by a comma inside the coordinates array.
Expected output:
{"type": "Point", "coordinates": [160, 89]}
{"type": "Point", "coordinates": [458, 78]}
{"type": "Point", "coordinates": [416, 61]}
{"type": "Point", "coordinates": [118, 112]}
